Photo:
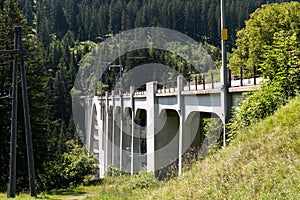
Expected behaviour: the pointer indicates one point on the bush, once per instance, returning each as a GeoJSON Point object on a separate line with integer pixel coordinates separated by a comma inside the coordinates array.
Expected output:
{"type": "Point", "coordinates": [257, 105]}
{"type": "Point", "coordinates": [114, 171]}
{"type": "Point", "coordinates": [281, 72]}
{"type": "Point", "coordinates": [282, 63]}
{"type": "Point", "coordinates": [142, 180]}
{"type": "Point", "coordinates": [69, 169]}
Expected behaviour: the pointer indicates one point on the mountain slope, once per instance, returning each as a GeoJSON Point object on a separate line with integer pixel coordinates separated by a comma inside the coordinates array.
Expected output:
{"type": "Point", "coordinates": [263, 162]}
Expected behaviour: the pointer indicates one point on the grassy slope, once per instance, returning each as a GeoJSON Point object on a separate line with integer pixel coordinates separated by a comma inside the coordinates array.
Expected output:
{"type": "Point", "coordinates": [263, 162]}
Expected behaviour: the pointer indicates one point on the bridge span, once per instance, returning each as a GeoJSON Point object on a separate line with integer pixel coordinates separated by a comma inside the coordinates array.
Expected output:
{"type": "Point", "coordinates": [151, 130]}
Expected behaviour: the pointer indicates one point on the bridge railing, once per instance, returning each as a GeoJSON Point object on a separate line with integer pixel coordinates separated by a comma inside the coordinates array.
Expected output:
{"type": "Point", "coordinates": [211, 80]}
{"type": "Point", "coordinates": [141, 90]}
{"type": "Point", "coordinates": [245, 77]}
{"type": "Point", "coordinates": [192, 82]}
{"type": "Point", "coordinates": [167, 87]}
{"type": "Point", "coordinates": [202, 81]}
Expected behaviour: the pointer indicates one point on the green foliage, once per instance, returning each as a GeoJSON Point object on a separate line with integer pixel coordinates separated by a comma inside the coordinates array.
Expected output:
{"type": "Point", "coordinates": [213, 131]}
{"type": "Point", "coordinates": [114, 171]}
{"type": "Point", "coordinates": [270, 40]}
{"type": "Point", "coordinates": [124, 186]}
{"type": "Point", "coordinates": [260, 33]}
{"type": "Point", "coordinates": [142, 180]}
{"type": "Point", "coordinates": [281, 62]}
{"type": "Point", "coordinates": [70, 169]}
{"type": "Point", "coordinates": [39, 106]}
{"type": "Point", "coordinates": [256, 106]}
{"type": "Point", "coordinates": [90, 19]}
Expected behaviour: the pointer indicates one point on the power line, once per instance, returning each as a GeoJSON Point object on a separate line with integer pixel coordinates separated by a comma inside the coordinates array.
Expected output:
{"type": "Point", "coordinates": [4, 97]}
{"type": "Point", "coordinates": [5, 63]}
{"type": "Point", "coordinates": [15, 51]}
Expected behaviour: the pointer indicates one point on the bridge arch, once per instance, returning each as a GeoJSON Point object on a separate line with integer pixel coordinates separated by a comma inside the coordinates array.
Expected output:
{"type": "Point", "coordinates": [126, 139]}
{"type": "Point", "coordinates": [166, 140]}
{"type": "Point", "coordinates": [195, 137]}
{"type": "Point", "coordinates": [96, 138]}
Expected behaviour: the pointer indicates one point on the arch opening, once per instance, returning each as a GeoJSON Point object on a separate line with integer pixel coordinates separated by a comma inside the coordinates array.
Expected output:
{"type": "Point", "coordinates": [166, 145]}
{"type": "Point", "coordinates": [202, 131]}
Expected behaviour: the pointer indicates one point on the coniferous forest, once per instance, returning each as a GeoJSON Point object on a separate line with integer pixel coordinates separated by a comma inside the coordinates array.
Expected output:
{"type": "Point", "coordinates": [58, 33]}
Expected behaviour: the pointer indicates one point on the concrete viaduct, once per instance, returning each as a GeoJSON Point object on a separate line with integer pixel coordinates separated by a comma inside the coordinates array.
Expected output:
{"type": "Point", "coordinates": [150, 130]}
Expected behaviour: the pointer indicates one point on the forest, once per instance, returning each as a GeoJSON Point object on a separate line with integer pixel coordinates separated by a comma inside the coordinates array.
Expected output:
{"type": "Point", "coordinates": [58, 33]}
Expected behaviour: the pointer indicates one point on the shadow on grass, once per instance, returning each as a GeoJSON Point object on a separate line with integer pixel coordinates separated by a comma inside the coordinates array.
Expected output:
{"type": "Point", "coordinates": [94, 182]}
{"type": "Point", "coordinates": [38, 197]}
{"type": "Point", "coordinates": [76, 191]}
{"type": "Point", "coordinates": [67, 192]}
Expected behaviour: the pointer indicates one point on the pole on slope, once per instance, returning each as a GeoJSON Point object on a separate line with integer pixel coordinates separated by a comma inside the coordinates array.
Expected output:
{"type": "Point", "coordinates": [12, 168]}
{"type": "Point", "coordinates": [13, 140]}
{"type": "Point", "coordinates": [31, 171]}
{"type": "Point", "coordinates": [224, 73]}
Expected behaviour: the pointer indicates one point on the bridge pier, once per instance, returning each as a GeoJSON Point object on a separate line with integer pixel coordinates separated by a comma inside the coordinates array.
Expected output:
{"type": "Point", "coordinates": [151, 89]}
{"type": "Point", "coordinates": [132, 147]}
{"type": "Point", "coordinates": [126, 141]}
{"type": "Point", "coordinates": [181, 112]}
{"type": "Point", "coordinates": [121, 126]}
{"type": "Point", "coordinates": [88, 112]}
{"type": "Point", "coordinates": [117, 137]}
{"type": "Point", "coordinates": [108, 131]}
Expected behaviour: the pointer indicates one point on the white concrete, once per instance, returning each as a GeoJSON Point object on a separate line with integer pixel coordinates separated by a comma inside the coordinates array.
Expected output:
{"type": "Point", "coordinates": [120, 132]}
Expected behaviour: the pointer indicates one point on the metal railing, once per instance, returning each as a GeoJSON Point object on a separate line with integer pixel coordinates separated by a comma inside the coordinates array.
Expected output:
{"type": "Point", "coordinates": [202, 81]}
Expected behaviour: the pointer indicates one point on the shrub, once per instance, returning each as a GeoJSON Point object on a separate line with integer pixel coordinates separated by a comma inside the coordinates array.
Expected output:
{"type": "Point", "coordinates": [281, 71]}
{"type": "Point", "coordinates": [281, 63]}
{"type": "Point", "coordinates": [69, 169]}
{"type": "Point", "coordinates": [256, 105]}
{"type": "Point", "coordinates": [114, 171]}
{"type": "Point", "coordinates": [142, 180]}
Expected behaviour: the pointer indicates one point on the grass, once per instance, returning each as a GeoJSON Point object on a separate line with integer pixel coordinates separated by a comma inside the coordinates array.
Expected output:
{"type": "Point", "coordinates": [262, 162]}
{"type": "Point", "coordinates": [78, 193]}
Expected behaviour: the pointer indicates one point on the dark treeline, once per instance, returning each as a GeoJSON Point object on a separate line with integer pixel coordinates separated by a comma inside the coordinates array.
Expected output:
{"type": "Point", "coordinates": [89, 19]}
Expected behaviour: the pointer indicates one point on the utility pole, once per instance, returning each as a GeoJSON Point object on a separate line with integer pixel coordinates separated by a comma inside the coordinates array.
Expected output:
{"type": "Point", "coordinates": [12, 169]}
{"type": "Point", "coordinates": [3, 5]}
{"type": "Point", "coordinates": [121, 101]}
{"type": "Point", "coordinates": [13, 139]}
{"type": "Point", "coordinates": [224, 72]}
{"type": "Point", "coordinates": [120, 64]}
{"type": "Point", "coordinates": [31, 172]}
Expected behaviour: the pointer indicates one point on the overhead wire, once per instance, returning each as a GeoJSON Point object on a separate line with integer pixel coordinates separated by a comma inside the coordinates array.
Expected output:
{"type": "Point", "coordinates": [6, 63]}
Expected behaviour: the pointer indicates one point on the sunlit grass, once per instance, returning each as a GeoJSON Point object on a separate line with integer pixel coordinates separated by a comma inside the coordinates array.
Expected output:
{"type": "Point", "coordinates": [78, 193]}
{"type": "Point", "coordinates": [263, 162]}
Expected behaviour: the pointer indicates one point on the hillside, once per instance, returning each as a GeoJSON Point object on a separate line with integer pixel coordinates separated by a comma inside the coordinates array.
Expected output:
{"type": "Point", "coordinates": [263, 162]}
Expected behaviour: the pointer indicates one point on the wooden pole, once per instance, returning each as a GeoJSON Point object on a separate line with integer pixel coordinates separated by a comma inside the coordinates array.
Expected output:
{"type": "Point", "coordinates": [31, 171]}
{"type": "Point", "coordinates": [13, 140]}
